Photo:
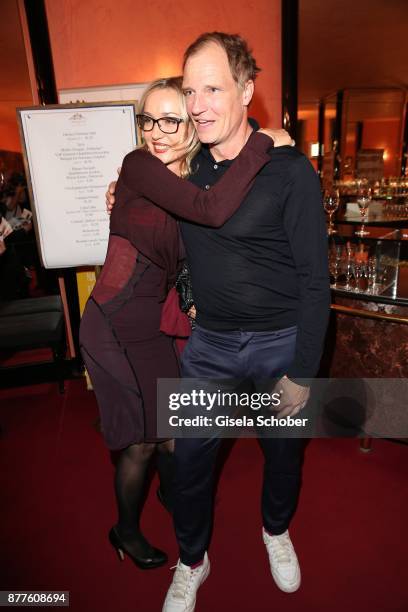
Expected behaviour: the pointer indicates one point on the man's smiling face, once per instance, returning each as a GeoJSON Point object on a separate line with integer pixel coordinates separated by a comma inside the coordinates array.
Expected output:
{"type": "Point", "coordinates": [215, 102]}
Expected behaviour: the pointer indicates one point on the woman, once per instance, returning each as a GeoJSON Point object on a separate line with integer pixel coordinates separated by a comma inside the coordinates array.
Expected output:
{"type": "Point", "coordinates": [122, 346]}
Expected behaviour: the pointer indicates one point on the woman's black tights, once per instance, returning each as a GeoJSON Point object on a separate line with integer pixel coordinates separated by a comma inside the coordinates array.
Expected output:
{"type": "Point", "coordinates": [130, 479]}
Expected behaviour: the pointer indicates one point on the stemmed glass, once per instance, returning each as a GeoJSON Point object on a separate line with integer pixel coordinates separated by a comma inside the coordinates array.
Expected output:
{"type": "Point", "coordinates": [334, 264]}
{"type": "Point", "coordinates": [331, 203]}
{"type": "Point", "coordinates": [349, 272]}
{"type": "Point", "coordinates": [364, 195]}
{"type": "Point", "coordinates": [372, 274]}
{"type": "Point", "coordinates": [358, 272]}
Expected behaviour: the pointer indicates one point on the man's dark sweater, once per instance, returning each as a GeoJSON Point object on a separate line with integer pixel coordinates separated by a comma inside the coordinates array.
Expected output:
{"type": "Point", "coordinates": [266, 268]}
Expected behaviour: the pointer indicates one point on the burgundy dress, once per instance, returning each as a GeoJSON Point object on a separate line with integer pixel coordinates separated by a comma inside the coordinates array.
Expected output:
{"type": "Point", "coordinates": [121, 343]}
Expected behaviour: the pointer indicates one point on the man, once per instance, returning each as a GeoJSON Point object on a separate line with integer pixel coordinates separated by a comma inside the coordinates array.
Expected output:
{"type": "Point", "coordinates": [261, 291]}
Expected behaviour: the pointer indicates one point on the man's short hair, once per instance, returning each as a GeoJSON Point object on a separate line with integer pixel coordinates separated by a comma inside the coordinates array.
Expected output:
{"type": "Point", "coordinates": [242, 62]}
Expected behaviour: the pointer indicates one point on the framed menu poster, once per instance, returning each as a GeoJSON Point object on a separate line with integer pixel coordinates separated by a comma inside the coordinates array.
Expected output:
{"type": "Point", "coordinates": [71, 153]}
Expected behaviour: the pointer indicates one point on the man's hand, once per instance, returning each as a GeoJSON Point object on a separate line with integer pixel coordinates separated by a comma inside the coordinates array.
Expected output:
{"type": "Point", "coordinates": [279, 137]}
{"type": "Point", "coordinates": [293, 397]}
{"type": "Point", "coordinates": [2, 246]}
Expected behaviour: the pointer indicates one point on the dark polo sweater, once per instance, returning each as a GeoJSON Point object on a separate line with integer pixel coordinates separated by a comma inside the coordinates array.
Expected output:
{"type": "Point", "coordinates": [266, 268]}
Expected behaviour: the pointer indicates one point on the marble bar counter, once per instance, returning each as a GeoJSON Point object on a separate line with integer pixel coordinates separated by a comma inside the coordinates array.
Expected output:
{"type": "Point", "coordinates": [368, 339]}
{"type": "Point", "coordinates": [368, 331]}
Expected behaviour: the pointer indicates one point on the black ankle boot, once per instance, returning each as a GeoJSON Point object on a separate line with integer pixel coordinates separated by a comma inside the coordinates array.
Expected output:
{"type": "Point", "coordinates": [147, 556]}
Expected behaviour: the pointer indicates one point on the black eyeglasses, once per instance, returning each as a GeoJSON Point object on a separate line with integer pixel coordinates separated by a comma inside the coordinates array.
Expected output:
{"type": "Point", "coordinates": [168, 125]}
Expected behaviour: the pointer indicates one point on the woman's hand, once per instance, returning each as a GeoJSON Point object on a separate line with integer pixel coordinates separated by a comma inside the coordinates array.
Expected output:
{"type": "Point", "coordinates": [192, 313]}
{"type": "Point", "coordinates": [110, 196]}
{"type": "Point", "coordinates": [280, 137]}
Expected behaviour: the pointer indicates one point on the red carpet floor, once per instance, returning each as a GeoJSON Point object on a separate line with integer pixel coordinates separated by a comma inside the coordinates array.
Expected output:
{"type": "Point", "coordinates": [57, 506]}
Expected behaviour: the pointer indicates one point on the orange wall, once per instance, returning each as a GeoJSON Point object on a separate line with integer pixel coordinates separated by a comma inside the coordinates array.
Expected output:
{"type": "Point", "coordinates": [9, 133]}
{"type": "Point", "coordinates": [14, 80]}
{"type": "Point", "coordinates": [102, 42]}
{"type": "Point", "coordinates": [384, 135]}
{"type": "Point", "coordinates": [309, 135]}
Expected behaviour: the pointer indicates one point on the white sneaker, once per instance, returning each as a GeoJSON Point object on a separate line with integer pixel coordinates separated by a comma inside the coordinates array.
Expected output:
{"type": "Point", "coordinates": [181, 596]}
{"type": "Point", "coordinates": [283, 561]}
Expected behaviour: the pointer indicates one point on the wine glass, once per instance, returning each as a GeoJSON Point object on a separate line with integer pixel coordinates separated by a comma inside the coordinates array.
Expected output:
{"type": "Point", "coordinates": [334, 271]}
{"type": "Point", "coordinates": [364, 195]}
{"type": "Point", "coordinates": [372, 274]}
{"type": "Point", "coordinates": [349, 272]}
{"type": "Point", "coordinates": [334, 263]}
{"type": "Point", "coordinates": [331, 203]}
{"type": "Point", "coordinates": [357, 273]}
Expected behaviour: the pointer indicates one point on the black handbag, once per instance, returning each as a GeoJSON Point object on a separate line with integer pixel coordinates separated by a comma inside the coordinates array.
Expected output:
{"type": "Point", "coordinates": [185, 290]}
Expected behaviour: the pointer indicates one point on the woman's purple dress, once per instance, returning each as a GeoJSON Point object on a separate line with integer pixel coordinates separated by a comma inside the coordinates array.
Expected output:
{"type": "Point", "coordinates": [122, 345]}
{"type": "Point", "coordinates": [125, 353]}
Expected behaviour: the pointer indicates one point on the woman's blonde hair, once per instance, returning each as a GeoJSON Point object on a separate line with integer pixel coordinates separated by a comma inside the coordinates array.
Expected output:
{"type": "Point", "coordinates": [192, 143]}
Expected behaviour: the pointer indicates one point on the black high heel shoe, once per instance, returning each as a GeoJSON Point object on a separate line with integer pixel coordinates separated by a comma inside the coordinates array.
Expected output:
{"type": "Point", "coordinates": [152, 557]}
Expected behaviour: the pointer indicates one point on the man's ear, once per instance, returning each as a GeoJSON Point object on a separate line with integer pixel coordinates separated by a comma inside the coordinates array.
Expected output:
{"type": "Point", "coordinates": [247, 92]}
